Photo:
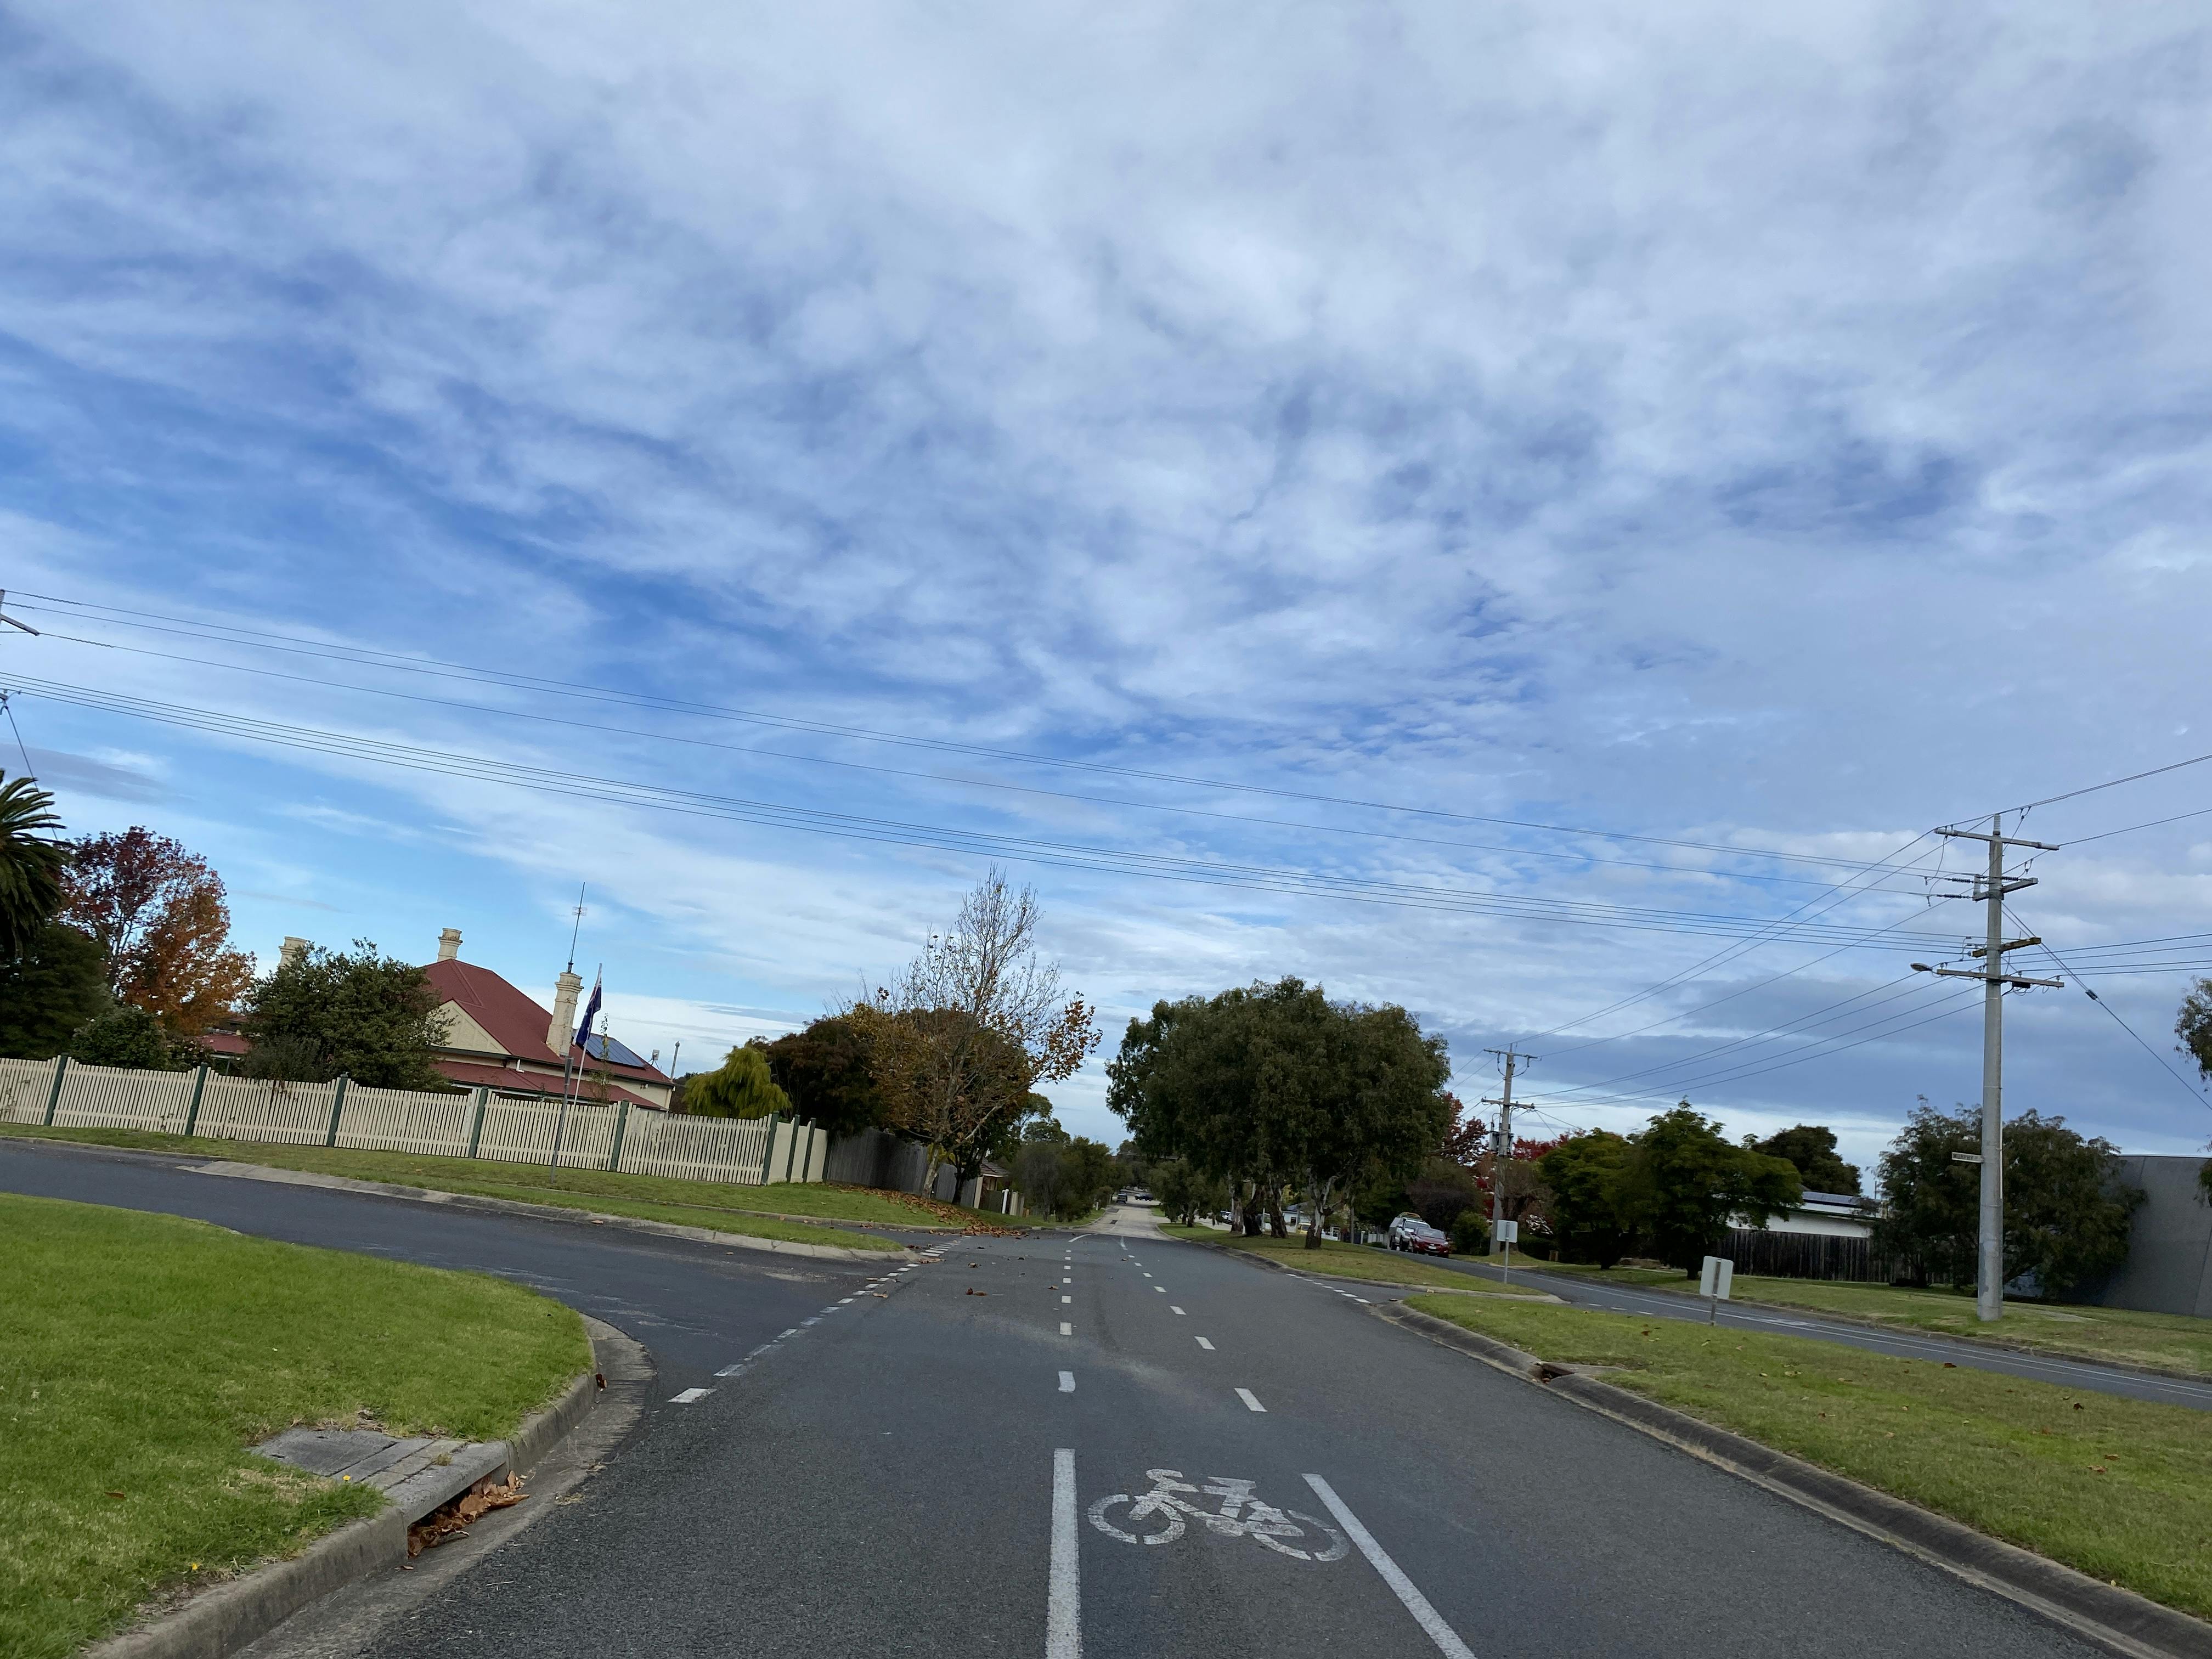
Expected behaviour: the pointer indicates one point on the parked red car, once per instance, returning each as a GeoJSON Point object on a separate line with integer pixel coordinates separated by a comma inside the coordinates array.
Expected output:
{"type": "Point", "coordinates": [1410, 1233]}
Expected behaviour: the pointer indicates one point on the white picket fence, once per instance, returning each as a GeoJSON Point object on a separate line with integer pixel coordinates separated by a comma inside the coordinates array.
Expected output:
{"type": "Point", "coordinates": [746, 1151]}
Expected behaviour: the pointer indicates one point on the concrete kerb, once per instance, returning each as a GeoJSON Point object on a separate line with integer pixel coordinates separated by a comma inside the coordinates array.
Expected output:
{"type": "Point", "coordinates": [1975, 1337]}
{"type": "Point", "coordinates": [1254, 1256]}
{"type": "Point", "coordinates": [221, 1622]}
{"type": "Point", "coordinates": [476, 1201]}
{"type": "Point", "coordinates": [2116, 1620]}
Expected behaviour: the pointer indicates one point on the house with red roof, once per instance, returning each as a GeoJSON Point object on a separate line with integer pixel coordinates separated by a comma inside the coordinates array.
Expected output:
{"type": "Point", "coordinates": [497, 1037]}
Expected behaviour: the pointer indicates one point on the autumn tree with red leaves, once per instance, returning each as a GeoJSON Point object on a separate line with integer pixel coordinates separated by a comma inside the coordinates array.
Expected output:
{"type": "Point", "coordinates": [158, 915]}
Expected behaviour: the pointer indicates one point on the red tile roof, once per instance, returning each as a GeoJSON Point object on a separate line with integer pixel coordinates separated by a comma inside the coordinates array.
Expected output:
{"type": "Point", "coordinates": [512, 1020]}
{"type": "Point", "coordinates": [501, 1079]}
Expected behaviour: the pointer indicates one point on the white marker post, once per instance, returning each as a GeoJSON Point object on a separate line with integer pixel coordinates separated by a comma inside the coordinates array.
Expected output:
{"type": "Point", "coordinates": [1713, 1284]}
{"type": "Point", "coordinates": [1508, 1234]}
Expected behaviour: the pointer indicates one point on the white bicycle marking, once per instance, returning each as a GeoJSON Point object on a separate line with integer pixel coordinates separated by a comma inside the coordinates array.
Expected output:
{"type": "Point", "coordinates": [1240, 1516]}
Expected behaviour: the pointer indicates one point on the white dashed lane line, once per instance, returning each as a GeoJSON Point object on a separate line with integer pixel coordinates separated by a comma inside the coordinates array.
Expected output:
{"type": "Point", "coordinates": [1205, 1344]}
{"type": "Point", "coordinates": [1250, 1404]}
{"type": "Point", "coordinates": [1067, 1300]}
{"type": "Point", "coordinates": [1173, 1308]}
{"type": "Point", "coordinates": [1067, 1382]}
{"type": "Point", "coordinates": [1067, 1329]}
{"type": "Point", "coordinates": [688, 1395]}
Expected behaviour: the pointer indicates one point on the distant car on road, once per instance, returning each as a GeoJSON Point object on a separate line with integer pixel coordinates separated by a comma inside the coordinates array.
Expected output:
{"type": "Point", "coordinates": [1410, 1233]}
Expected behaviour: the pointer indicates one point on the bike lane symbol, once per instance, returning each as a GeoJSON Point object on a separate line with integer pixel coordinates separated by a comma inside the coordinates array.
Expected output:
{"type": "Point", "coordinates": [1240, 1516]}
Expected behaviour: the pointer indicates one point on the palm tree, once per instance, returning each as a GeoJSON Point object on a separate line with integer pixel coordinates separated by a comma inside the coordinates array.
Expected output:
{"type": "Point", "coordinates": [31, 864]}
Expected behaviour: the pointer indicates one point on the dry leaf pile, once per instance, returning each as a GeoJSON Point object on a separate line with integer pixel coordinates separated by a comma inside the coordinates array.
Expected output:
{"type": "Point", "coordinates": [452, 1520]}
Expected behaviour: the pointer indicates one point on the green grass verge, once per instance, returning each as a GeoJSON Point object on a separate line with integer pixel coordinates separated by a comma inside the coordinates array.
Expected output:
{"type": "Point", "coordinates": [140, 1355]}
{"type": "Point", "coordinates": [1337, 1260]}
{"type": "Point", "coordinates": [2119, 1489]}
{"type": "Point", "coordinates": [753, 1211]}
{"type": "Point", "coordinates": [2168, 1342]}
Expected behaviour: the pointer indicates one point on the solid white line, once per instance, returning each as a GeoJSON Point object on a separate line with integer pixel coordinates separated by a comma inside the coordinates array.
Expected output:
{"type": "Point", "coordinates": [1205, 1344]}
{"type": "Point", "coordinates": [1245, 1394]}
{"type": "Point", "coordinates": [1067, 1329]}
{"type": "Point", "coordinates": [1067, 1382]}
{"type": "Point", "coordinates": [688, 1395]}
{"type": "Point", "coordinates": [1416, 1603]}
{"type": "Point", "coordinates": [1063, 1611]}
{"type": "Point", "coordinates": [1179, 1310]}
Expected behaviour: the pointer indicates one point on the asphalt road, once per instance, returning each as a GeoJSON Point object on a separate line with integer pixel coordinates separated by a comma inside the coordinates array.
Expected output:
{"type": "Point", "coordinates": [1582, 1291]}
{"type": "Point", "coordinates": [954, 1458]}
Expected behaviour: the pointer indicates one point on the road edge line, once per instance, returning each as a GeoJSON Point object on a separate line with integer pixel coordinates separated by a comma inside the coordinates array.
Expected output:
{"type": "Point", "coordinates": [1315, 1277]}
{"type": "Point", "coordinates": [234, 1615]}
{"type": "Point", "coordinates": [2119, 1620]}
{"type": "Point", "coordinates": [1431, 1621]}
{"type": "Point", "coordinates": [1063, 1609]}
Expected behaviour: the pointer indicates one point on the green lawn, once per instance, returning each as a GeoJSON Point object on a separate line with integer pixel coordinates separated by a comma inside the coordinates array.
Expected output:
{"type": "Point", "coordinates": [778, 1212]}
{"type": "Point", "coordinates": [140, 1355]}
{"type": "Point", "coordinates": [2119, 1489]}
{"type": "Point", "coordinates": [2171, 1342]}
{"type": "Point", "coordinates": [1336, 1260]}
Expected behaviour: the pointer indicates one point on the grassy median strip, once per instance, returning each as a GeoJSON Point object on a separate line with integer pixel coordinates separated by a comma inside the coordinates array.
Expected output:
{"type": "Point", "coordinates": [724, 1208]}
{"type": "Point", "coordinates": [2119, 1489]}
{"type": "Point", "coordinates": [1337, 1260]}
{"type": "Point", "coordinates": [2168, 1342]}
{"type": "Point", "coordinates": [140, 1355]}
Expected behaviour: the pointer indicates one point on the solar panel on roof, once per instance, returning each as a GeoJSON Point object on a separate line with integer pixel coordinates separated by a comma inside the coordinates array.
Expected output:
{"type": "Point", "coordinates": [607, 1048]}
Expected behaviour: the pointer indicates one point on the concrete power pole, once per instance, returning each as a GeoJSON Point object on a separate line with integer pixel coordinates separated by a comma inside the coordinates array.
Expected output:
{"type": "Point", "coordinates": [1501, 1143]}
{"type": "Point", "coordinates": [1991, 889]}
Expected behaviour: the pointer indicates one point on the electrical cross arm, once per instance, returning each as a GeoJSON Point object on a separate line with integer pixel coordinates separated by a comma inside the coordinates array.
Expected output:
{"type": "Point", "coordinates": [2022, 981]}
{"type": "Point", "coordinates": [2010, 841]}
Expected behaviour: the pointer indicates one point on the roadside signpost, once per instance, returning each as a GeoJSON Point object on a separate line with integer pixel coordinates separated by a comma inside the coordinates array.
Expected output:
{"type": "Point", "coordinates": [1507, 1233]}
{"type": "Point", "coordinates": [1713, 1283]}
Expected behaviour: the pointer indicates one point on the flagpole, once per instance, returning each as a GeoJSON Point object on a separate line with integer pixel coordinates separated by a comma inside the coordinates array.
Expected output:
{"type": "Point", "coordinates": [568, 1069]}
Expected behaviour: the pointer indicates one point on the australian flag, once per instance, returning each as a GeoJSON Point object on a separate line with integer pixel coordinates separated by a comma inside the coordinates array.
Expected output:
{"type": "Point", "coordinates": [591, 1013]}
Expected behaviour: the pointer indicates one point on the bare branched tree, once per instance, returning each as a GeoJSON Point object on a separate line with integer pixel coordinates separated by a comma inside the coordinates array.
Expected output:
{"type": "Point", "coordinates": [973, 1025]}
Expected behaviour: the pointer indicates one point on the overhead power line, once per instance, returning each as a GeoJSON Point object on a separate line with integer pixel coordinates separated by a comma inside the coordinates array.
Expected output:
{"type": "Point", "coordinates": [1123, 802]}
{"type": "Point", "coordinates": [157, 622]}
{"type": "Point", "coordinates": [574, 783]}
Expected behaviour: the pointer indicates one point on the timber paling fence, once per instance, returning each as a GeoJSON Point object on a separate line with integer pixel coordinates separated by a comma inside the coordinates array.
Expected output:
{"type": "Point", "coordinates": [1808, 1255]}
{"type": "Point", "coordinates": [876, 1158]}
{"type": "Point", "coordinates": [482, 1124]}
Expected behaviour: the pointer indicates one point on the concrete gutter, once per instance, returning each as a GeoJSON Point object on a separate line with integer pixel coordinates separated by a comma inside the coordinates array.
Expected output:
{"type": "Point", "coordinates": [542, 1212]}
{"type": "Point", "coordinates": [221, 1622]}
{"type": "Point", "coordinates": [2118, 1621]}
{"type": "Point", "coordinates": [2004, 1344]}
{"type": "Point", "coordinates": [1232, 1251]}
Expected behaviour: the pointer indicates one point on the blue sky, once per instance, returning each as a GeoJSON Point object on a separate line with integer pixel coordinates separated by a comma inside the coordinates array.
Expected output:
{"type": "Point", "coordinates": [1776, 429]}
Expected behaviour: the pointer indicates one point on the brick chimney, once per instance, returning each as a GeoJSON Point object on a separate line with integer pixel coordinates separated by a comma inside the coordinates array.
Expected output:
{"type": "Point", "coordinates": [295, 948]}
{"type": "Point", "coordinates": [449, 944]}
{"type": "Point", "coordinates": [562, 1033]}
